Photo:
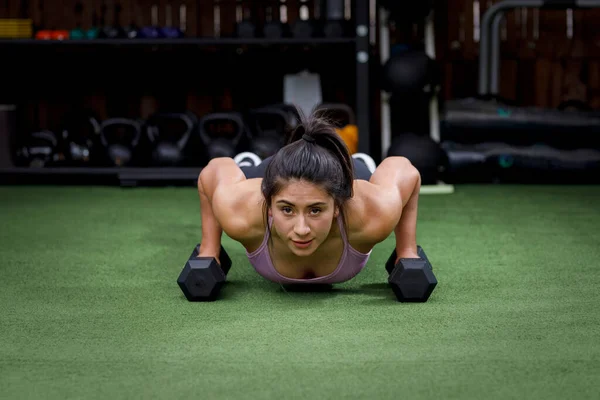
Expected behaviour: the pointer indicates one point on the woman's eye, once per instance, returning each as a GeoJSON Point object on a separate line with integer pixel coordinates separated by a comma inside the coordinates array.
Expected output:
{"type": "Point", "coordinates": [286, 210]}
{"type": "Point", "coordinates": [315, 211]}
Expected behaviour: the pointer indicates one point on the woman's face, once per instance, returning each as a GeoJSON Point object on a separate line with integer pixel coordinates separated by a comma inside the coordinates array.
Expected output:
{"type": "Point", "coordinates": [302, 214]}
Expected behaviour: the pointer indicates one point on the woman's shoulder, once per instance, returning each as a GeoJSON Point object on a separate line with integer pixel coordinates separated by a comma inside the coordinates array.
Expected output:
{"type": "Point", "coordinates": [372, 213]}
{"type": "Point", "coordinates": [240, 211]}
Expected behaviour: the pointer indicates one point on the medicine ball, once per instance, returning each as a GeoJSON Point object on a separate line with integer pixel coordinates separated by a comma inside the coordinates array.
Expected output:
{"type": "Point", "coordinates": [409, 72]}
{"type": "Point", "coordinates": [424, 153]}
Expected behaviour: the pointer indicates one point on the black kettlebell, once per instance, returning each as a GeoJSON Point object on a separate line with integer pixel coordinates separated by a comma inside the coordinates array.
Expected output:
{"type": "Point", "coordinates": [221, 133]}
{"type": "Point", "coordinates": [269, 129]}
{"type": "Point", "coordinates": [38, 150]}
{"type": "Point", "coordinates": [168, 135]}
{"type": "Point", "coordinates": [428, 157]}
{"type": "Point", "coordinates": [119, 138]}
{"type": "Point", "coordinates": [79, 138]}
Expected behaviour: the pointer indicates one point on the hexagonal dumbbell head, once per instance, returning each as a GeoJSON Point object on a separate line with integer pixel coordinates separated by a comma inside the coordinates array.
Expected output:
{"type": "Point", "coordinates": [391, 262]}
{"type": "Point", "coordinates": [201, 279]}
{"type": "Point", "coordinates": [412, 280]}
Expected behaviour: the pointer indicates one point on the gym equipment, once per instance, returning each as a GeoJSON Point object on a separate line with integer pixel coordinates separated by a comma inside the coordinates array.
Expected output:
{"type": "Point", "coordinates": [152, 31]}
{"type": "Point", "coordinates": [268, 130]}
{"type": "Point", "coordinates": [221, 133]}
{"type": "Point", "coordinates": [16, 28]}
{"type": "Point", "coordinates": [424, 153]}
{"type": "Point", "coordinates": [39, 150]}
{"type": "Point", "coordinates": [119, 138]}
{"type": "Point", "coordinates": [474, 120]}
{"type": "Point", "coordinates": [407, 12]}
{"type": "Point", "coordinates": [92, 33]}
{"type": "Point", "coordinates": [77, 33]}
{"type": "Point", "coordinates": [335, 25]}
{"type": "Point", "coordinates": [168, 134]}
{"type": "Point", "coordinates": [500, 162]}
{"type": "Point", "coordinates": [304, 29]}
{"type": "Point", "coordinates": [244, 28]}
{"type": "Point", "coordinates": [408, 72]}
{"type": "Point", "coordinates": [202, 277]}
{"type": "Point", "coordinates": [52, 35]}
{"type": "Point", "coordinates": [412, 279]}
{"type": "Point", "coordinates": [247, 159]}
{"type": "Point", "coordinates": [111, 31]}
{"type": "Point", "coordinates": [170, 31]}
{"type": "Point", "coordinates": [79, 138]}
{"type": "Point", "coordinates": [410, 113]}
{"type": "Point", "coordinates": [274, 28]}
{"type": "Point", "coordinates": [345, 120]}
{"type": "Point", "coordinates": [367, 160]}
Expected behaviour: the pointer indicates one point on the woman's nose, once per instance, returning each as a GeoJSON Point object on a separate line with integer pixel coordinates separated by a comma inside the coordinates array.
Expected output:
{"type": "Point", "coordinates": [301, 228]}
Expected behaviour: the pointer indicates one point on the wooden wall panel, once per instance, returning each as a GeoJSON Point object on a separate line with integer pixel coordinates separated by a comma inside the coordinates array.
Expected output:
{"type": "Point", "coordinates": [541, 64]}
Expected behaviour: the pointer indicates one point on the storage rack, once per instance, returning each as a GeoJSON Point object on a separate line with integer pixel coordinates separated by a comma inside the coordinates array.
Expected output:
{"type": "Point", "coordinates": [129, 176]}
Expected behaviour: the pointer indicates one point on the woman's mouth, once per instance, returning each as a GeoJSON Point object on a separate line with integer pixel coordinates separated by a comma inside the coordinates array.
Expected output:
{"type": "Point", "coordinates": [302, 245]}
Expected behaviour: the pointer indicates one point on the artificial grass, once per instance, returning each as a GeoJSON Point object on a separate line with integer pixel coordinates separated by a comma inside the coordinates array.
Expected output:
{"type": "Point", "coordinates": [90, 308]}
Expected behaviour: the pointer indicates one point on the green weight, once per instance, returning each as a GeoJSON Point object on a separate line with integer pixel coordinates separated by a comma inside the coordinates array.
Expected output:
{"type": "Point", "coordinates": [92, 33]}
{"type": "Point", "coordinates": [77, 34]}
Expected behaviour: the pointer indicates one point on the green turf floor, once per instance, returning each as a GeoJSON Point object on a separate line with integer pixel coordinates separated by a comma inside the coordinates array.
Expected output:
{"type": "Point", "coordinates": [90, 308]}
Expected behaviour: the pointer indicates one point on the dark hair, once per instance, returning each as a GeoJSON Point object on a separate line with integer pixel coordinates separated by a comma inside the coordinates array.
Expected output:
{"type": "Point", "coordinates": [314, 153]}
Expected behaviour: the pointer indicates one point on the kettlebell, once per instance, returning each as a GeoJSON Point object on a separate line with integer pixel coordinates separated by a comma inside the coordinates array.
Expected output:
{"type": "Point", "coordinates": [269, 129]}
{"type": "Point", "coordinates": [168, 135]}
{"type": "Point", "coordinates": [221, 133]}
{"type": "Point", "coordinates": [39, 150]}
{"type": "Point", "coordinates": [346, 123]}
{"type": "Point", "coordinates": [119, 137]}
{"type": "Point", "coordinates": [79, 138]}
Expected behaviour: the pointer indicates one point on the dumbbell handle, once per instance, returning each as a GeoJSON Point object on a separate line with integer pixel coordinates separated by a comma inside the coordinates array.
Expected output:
{"type": "Point", "coordinates": [224, 259]}
{"type": "Point", "coordinates": [120, 121]}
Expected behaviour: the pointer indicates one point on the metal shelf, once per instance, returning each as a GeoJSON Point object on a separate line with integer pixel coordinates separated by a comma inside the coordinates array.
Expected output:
{"type": "Point", "coordinates": [127, 176]}
{"type": "Point", "coordinates": [198, 42]}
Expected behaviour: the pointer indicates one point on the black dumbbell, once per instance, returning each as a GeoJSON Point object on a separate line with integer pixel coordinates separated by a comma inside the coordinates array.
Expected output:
{"type": "Point", "coordinates": [114, 31]}
{"type": "Point", "coordinates": [202, 277]}
{"type": "Point", "coordinates": [412, 279]}
{"type": "Point", "coordinates": [335, 24]}
{"type": "Point", "coordinates": [304, 29]}
{"type": "Point", "coordinates": [274, 27]}
{"type": "Point", "coordinates": [245, 27]}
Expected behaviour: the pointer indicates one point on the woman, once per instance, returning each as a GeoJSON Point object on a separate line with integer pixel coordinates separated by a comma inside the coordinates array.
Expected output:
{"type": "Point", "coordinates": [310, 213]}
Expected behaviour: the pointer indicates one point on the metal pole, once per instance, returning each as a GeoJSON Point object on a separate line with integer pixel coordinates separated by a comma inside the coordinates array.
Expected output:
{"type": "Point", "coordinates": [485, 41]}
{"type": "Point", "coordinates": [363, 110]}
{"type": "Point", "coordinates": [495, 54]}
{"type": "Point", "coordinates": [489, 49]}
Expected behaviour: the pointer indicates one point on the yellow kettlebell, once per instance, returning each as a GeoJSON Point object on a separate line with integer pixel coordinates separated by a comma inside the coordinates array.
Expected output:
{"type": "Point", "coordinates": [343, 114]}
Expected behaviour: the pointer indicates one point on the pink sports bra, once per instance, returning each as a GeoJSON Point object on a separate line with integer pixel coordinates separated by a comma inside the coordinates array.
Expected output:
{"type": "Point", "coordinates": [351, 263]}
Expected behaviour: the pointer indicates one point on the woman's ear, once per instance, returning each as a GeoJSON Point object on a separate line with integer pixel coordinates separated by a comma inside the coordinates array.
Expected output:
{"type": "Point", "coordinates": [270, 212]}
{"type": "Point", "coordinates": [336, 212]}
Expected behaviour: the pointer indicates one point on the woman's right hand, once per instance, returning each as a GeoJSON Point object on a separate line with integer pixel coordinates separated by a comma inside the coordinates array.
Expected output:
{"type": "Point", "coordinates": [209, 253]}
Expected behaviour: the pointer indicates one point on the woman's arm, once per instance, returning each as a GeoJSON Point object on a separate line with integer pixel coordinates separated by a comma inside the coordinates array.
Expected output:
{"type": "Point", "coordinates": [400, 181]}
{"type": "Point", "coordinates": [218, 175]}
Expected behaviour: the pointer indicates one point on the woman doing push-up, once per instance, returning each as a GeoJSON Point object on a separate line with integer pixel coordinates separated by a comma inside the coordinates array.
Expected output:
{"type": "Point", "coordinates": [311, 213]}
